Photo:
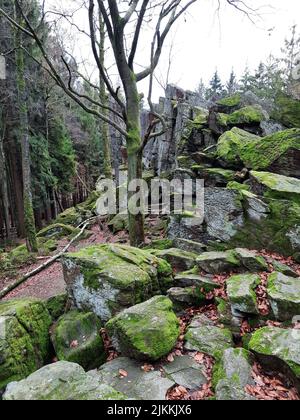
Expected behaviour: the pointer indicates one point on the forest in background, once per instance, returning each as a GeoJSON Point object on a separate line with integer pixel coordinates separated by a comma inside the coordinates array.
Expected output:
{"type": "Point", "coordinates": [66, 143]}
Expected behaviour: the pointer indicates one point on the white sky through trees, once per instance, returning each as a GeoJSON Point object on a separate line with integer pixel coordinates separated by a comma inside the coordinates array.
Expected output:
{"type": "Point", "coordinates": [203, 40]}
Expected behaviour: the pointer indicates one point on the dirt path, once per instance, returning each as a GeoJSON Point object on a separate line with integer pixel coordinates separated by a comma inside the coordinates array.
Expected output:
{"type": "Point", "coordinates": [50, 282]}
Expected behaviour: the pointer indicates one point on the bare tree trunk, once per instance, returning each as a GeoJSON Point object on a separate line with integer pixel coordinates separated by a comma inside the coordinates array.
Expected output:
{"type": "Point", "coordinates": [29, 221]}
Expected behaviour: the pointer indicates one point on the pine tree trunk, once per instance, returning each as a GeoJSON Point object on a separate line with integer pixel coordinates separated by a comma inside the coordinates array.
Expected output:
{"type": "Point", "coordinates": [29, 221]}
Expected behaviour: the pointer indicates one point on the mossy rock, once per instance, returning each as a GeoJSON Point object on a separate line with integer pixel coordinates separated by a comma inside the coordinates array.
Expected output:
{"type": "Point", "coordinates": [249, 115]}
{"type": "Point", "coordinates": [229, 104]}
{"type": "Point", "coordinates": [57, 231]}
{"type": "Point", "coordinates": [287, 111]}
{"type": "Point", "coordinates": [61, 381]}
{"type": "Point", "coordinates": [147, 331]}
{"type": "Point", "coordinates": [57, 305]}
{"type": "Point", "coordinates": [275, 186]}
{"type": "Point", "coordinates": [231, 143]}
{"type": "Point", "coordinates": [69, 217]}
{"type": "Point", "coordinates": [178, 258]}
{"type": "Point", "coordinates": [105, 279]}
{"type": "Point", "coordinates": [195, 280]}
{"type": "Point", "coordinates": [209, 339]}
{"type": "Point", "coordinates": [24, 338]}
{"type": "Point", "coordinates": [186, 297]}
{"type": "Point", "coordinates": [218, 262]}
{"type": "Point", "coordinates": [278, 348]}
{"type": "Point", "coordinates": [233, 185]}
{"type": "Point", "coordinates": [284, 296]}
{"type": "Point", "coordinates": [218, 177]}
{"type": "Point", "coordinates": [241, 293]}
{"type": "Point", "coordinates": [119, 223]}
{"type": "Point", "coordinates": [160, 244]}
{"type": "Point", "coordinates": [279, 152]}
{"type": "Point", "coordinates": [76, 338]}
{"type": "Point", "coordinates": [232, 374]}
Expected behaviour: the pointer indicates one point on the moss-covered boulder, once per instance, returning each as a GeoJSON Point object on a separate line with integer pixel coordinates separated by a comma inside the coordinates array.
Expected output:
{"type": "Point", "coordinates": [218, 262]}
{"type": "Point", "coordinates": [70, 217]}
{"type": "Point", "coordinates": [279, 152]}
{"type": "Point", "coordinates": [250, 260]}
{"type": "Point", "coordinates": [57, 305]}
{"type": "Point", "coordinates": [230, 145]}
{"type": "Point", "coordinates": [147, 331]}
{"type": "Point", "coordinates": [249, 115]}
{"type": "Point", "coordinates": [232, 374]}
{"type": "Point", "coordinates": [284, 296]}
{"type": "Point", "coordinates": [179, 259]}
{"type": "Point", "coordinates": [287, 111]}
{"type": "Point", "coordinates": [106, 279]}
{"type": "Point", "coordinates": [229, 104]}
{"type": "Point", "coordinates": [24, 338]}
{"type": "Point", "coordinates": [195, 280]}
{"type": "Point", "coordinates": [186, 297]}
{"type": "Point", "coordinates": [275, 186]}
{"type": "Point", "coordinates": [241, 293]}
{"type": "Point", "coordinates": [76, 338]}
{"type": "Point", "coordinates": [278, 349]}
{"type": "Point", "coordinates": [189, 246]}
{"type": "Point", "coordinates": [61, 381]}
{"type": "Point", "coordinates": [58, 230]}
{"type": "Point", "coordinates": [209, 339]}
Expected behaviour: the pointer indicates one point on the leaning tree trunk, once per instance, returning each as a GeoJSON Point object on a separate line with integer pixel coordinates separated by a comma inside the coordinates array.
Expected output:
{"type": "Point", "coordinates": [29, 221]}
{"type": "Point", "coordinates": [135, 169]}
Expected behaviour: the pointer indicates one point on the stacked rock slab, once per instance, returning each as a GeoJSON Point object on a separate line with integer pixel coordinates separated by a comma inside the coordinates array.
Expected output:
{"type": "Point", "coordinates": [106, 279]}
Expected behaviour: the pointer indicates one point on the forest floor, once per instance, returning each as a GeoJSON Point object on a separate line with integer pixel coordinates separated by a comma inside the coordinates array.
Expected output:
{"type": "Point", "coordinates": [50, 282]}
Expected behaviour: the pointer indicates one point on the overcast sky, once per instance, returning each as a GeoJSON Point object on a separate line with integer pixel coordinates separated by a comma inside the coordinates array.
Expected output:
{"type": "Point", "coordinates": [204, 41]}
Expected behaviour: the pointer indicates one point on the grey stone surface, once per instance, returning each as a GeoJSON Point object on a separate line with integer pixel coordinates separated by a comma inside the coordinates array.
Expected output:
{"type": "Point", "coordinates": [61, 381]}
{"type": "Point", "coordinates": [284, 296]}
{"type": "Point", "coordinates": [138, 384]}
{"type": "Point", "coordinates": [185, 371]}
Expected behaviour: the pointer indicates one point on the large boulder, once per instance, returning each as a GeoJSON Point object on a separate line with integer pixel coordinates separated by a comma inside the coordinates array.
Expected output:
{"type": "Point", "coordinates": [147, 331]}
{"type": "Point", "coordinates": [284, 296]}
{"type": "Point", "coordinates": [186, 372]}
{"type": "Point", "coordinates": [235, 218]}
{"type": "Point", "coordinates": [275, 186]}
{"type": "Point", "coordinates": [208, 339]}
{"type": "Point", "coordinates": [279, 152]}
{"type": "Point", "coordinates": [61, 381]}
{"type": "Point", "coordinates": [232, 374]}
{"type": "Point", "coordinates": [24, 338]}
{"type": "Point", "coordinates": [106, 279]}
{"type": "Point", "coordinates": [278, 349]}
{"type": "Point", "coordinates": [186, 297]}
{"type": "Point", "coordinates": [241, 293]}
{"type": "Point", "coordinates": [76, 338]}
{"type": "Point", "coordinates": [287, 111]}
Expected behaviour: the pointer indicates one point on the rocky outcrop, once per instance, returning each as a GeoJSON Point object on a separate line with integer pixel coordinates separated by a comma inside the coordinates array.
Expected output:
{"type": "Point", "coordinates": [241, 293]}
{"type": "Point", "coordinates": [106, 279]}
